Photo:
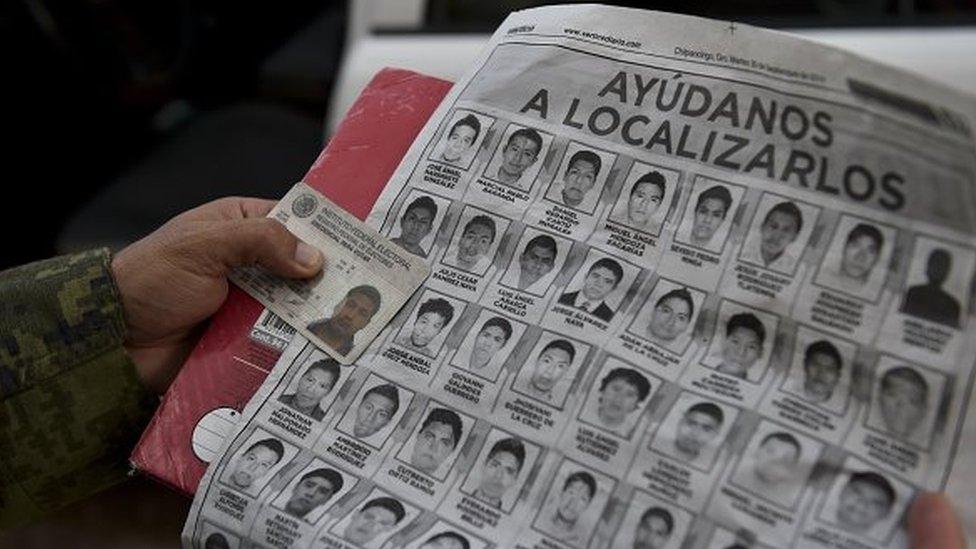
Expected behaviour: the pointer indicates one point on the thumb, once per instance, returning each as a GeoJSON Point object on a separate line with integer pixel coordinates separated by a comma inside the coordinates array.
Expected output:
{"type": "Point", "coordinates": [933, 525]}
{"type": "Point", "coordinates": [266, 242]}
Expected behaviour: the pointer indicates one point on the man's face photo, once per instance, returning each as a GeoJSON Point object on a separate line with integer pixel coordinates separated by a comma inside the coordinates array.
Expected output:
{"type": "Point", "coordinates": [862, 504]}
{"type": "Point", "coordinates": [460, 139]}
{"type": "Point", "coordinates": [598, 284]}
{"type": "Point", "coordinates": [579, 178]}
{"type": "Point", "coordinates": [500, 472]}
{"type": "Point", "coordinates": [695, 431]}
{"type": "Point", "coordinates": [416, 224]}
{"type": "Point", "coordinates": [374, 412]}
{"type": "Point", "coordinates": [536, 262]}
{"type": "Point", "coordinates": [445, 541]}
{"type": "Point", "coordinates": [653, 532]}
{"type": "Point", "coordinates": [253, 464]}
{"type": "Point", "coordinates": [709, 215]}
{"type": "Point", "coordinates": [775, 461]}
{"type": "Point", "coordinates": [645, 199]}
{"type": "Point", "coordinates": [778, 231]}
{"type": "Point", "coordinates": [435, 442]}
{"type": "Point", "coordinates": [426, 328]}
{"type": "Point", "coordinates": [366, 524]}
{"type": "Point", "coordinates": [573, 500]}
{"type": "Point", "coordinates": [821, 375]}
{"type": "Point", "coordinates": [903, 398]}
{"type": "Point", "coordinates": [617, 400]}
{"type": "Point", "coordinates": [313, 385]}
{"type": "Point", "coordinates": [520, 152]}
{"type": "Point", "coordinates": [487, 343]}
{"type": "Point", "coordinates": [309, 493]}
{"type": "Point", "coordinates": [740, 350]}
{"type": "Point", "coordinates": [352, 314]}
{"type": "Point", "coordinates": [860, 255]}
{"type": "Point", "coordinates": [669, 319]}
{"type": "Point", "coordinates": [474, 244]}
{"type": "Point", "coordinates": [550, 367]}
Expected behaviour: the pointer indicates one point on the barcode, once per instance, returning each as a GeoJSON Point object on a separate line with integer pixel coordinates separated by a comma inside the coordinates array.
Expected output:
{"type": "Point", "coordinates": [273, 321]}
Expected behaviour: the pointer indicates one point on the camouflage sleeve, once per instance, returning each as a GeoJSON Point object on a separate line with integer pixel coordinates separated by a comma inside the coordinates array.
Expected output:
{"type": "Point", "coordinates": [71, 406]}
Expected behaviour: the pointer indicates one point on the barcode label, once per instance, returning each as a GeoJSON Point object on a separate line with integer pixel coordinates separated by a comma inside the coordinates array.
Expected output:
{"type": "Point", "coordinates": [272, 330]}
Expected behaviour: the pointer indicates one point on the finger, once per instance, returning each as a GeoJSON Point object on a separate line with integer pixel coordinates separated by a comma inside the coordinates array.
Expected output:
{"type": "Point", "coordinates": [229, 208]}
{"type": "Point", "coordinates": [265, 242]}
{"type": "Point", "coordinates": [932, 524]}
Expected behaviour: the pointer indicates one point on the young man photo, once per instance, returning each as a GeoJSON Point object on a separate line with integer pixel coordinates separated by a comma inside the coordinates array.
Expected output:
{"type": "Point", "coordinates": [520, 152]}
{"type": "Point", "coordinates": [375, 410]}
{"type": "Point", "coordinates": [416, 223]}
{"type": "Point", "coordinates": [376, 517]}
{"type": "Point", "coordinates": [446, 540]}
{"type": "Point", "coordinates": [579, 178]}
{"type": "Point", "coordinates": [460, 138]}
{"type": "Point", "coordinates": [471, 249]}
{"type": "Point", "coordinates": [858, 259]}
{"type": "Point", "coordinates": [670, 317]}
{"type": "Point", "coordinates": [866, 499]}
{"type": "Point", "coordinates": [432, 316]}
{"type": "Point", "coordinates": [313, 490]}
{"type": "Point", "coordinates": [439, 435]}
{"type": "Point", "coordinates": [696, 431]}
{"type": "Point", "coordinates": [771, 247]}
{"type": "Point", "coordinates": [493, 335]}
{"type": "Point", "coordinates": [349, 316]}
{"type": "Point", "coordinates": [620, 394]}
{"type": "Point", "coordinates": [563, 522]}
{"type": "Point", "coordinates": [775, 468]}
{"type": "Point", "coordinates": [316, 382]}
{"type": "Point", "coordinates": [253, 464]}
{"type": "Point", "coordinates": [711, 209]}
{"type": "Point", "coordinates": [601, 279]}
{"type": "Point", "coordinates": [742, 346]}
{"type": "Point", "coordinates": [535, 262]}
{"type": "Point", "coordinates": [822, 365]}
{"type": "Point", "coordinates": [903, 401]}
{"type": "Point", "coordinates": [643, 201]}
{"type": "Point", "coordinates": [654, 529]}
{"type": "Point", "coordinates": [552, 364]}
{"type": "Point", "coordinates": [500, 471]}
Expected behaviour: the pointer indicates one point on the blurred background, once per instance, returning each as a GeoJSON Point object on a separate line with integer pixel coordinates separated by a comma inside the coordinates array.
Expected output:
{"type": "Point", "coordinates": [120, 114]}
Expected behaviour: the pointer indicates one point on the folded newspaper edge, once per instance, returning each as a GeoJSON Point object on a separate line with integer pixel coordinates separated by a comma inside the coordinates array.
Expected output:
{"type": "Point", "coordinates": [693, 284]}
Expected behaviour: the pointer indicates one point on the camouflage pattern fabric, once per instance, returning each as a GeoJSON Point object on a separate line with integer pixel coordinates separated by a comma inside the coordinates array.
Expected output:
{"type": "Point", "coordinates": [71, 407]}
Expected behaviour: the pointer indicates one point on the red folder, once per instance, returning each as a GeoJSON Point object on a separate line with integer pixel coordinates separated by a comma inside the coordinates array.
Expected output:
{"type": "Point", "coordinates": [228, 365]}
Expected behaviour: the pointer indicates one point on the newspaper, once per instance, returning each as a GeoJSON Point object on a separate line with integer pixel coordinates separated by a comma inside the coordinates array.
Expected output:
{"type": "Point", "coordinates": [693, 285]}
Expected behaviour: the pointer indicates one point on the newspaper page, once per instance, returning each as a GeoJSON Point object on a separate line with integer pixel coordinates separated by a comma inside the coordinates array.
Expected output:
{"type": "Point", "coordinates": [693, 285]}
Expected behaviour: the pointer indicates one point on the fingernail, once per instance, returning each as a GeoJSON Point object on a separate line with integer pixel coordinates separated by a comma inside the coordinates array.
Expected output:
{"type": "Point", "coordinates": [307, 255]}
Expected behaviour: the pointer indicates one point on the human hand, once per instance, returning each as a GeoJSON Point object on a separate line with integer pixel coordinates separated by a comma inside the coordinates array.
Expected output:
{"type": "Point", "coordinates": [175, 278]}
{"type": "Point", "coordinates": [932, 524]}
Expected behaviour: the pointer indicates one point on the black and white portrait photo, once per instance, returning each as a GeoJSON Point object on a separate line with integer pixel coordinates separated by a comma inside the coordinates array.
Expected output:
{"type": "Point", "coordinates": [313, 389]}
{"type": "Point", "coordinates": [693, 430]}
{"type": "Point", "coordinates": [313, 491]}
{"type": "Point", "coordinates": [257, 459]}
{"type": "Point", "coordinates": [499, 472]}
{"type": "Point", "coordinates": [617, 398]}
{"type": "Point", "coordinates": [743, 342]}
{"type": "Point", "coordinates": [475, 241]}
{"type": "Point", "coordinates": [416, 225]}
{"type": "Point", "coordinates": [573, 504]}
{"type": "Point", "coordinates": [856, 261]}
{"type": "Point", "coordinates": [905, 399]}
{"type": "Point", "coordinates": [352, 315]}
{"type": "Point", "coordinates": [429, 323]}
{"type": "Point", "coordinates": [465, 132]}
{"type": "Point", "coordinates": [938, 282]}
{"type": "Point", "coordinates": [778, 235]}
{"type": "Point", "coordinates": [375, 411]}
{"type": "Point", "coordinates": [443, 535]}
{"type": "Point", "coordinates": [668, 315]}
{"type": "Point", "coordinates": [864, 502]}
{"type": "Point", "coordinates": [708, 214]}
{"type": "Point", "coordinates": [599, 285]}
{"type": "Point", "coordinates": [776, 464]}
{"type": "Point", "coordinates": [581, 177]}
{"type": "Point", "coordinates": [650, 523]}
{"type": "Point", "coordinates": [538, 258]}
{"type": "Point", "coordinates": [821, 370]}
{"type": "Point", "coordinates": [215, 537]}
{"type": "Point", "coordinates": [518, 157]}
{"type": "Point", "coordinates": [550, 369]}
{"type": "Point", "coordinates": [374, 520]}
{"type": "Point", "coordinates": [436, 440]}
{"type": "Point", "coordinates": [645, 198]}
{"type": "Point", "coordinates": [487, 344]}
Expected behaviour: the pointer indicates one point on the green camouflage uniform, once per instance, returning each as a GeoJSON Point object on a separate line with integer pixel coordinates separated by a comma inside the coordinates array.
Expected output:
{"type": "Point", "coordinates": [71, 406]}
